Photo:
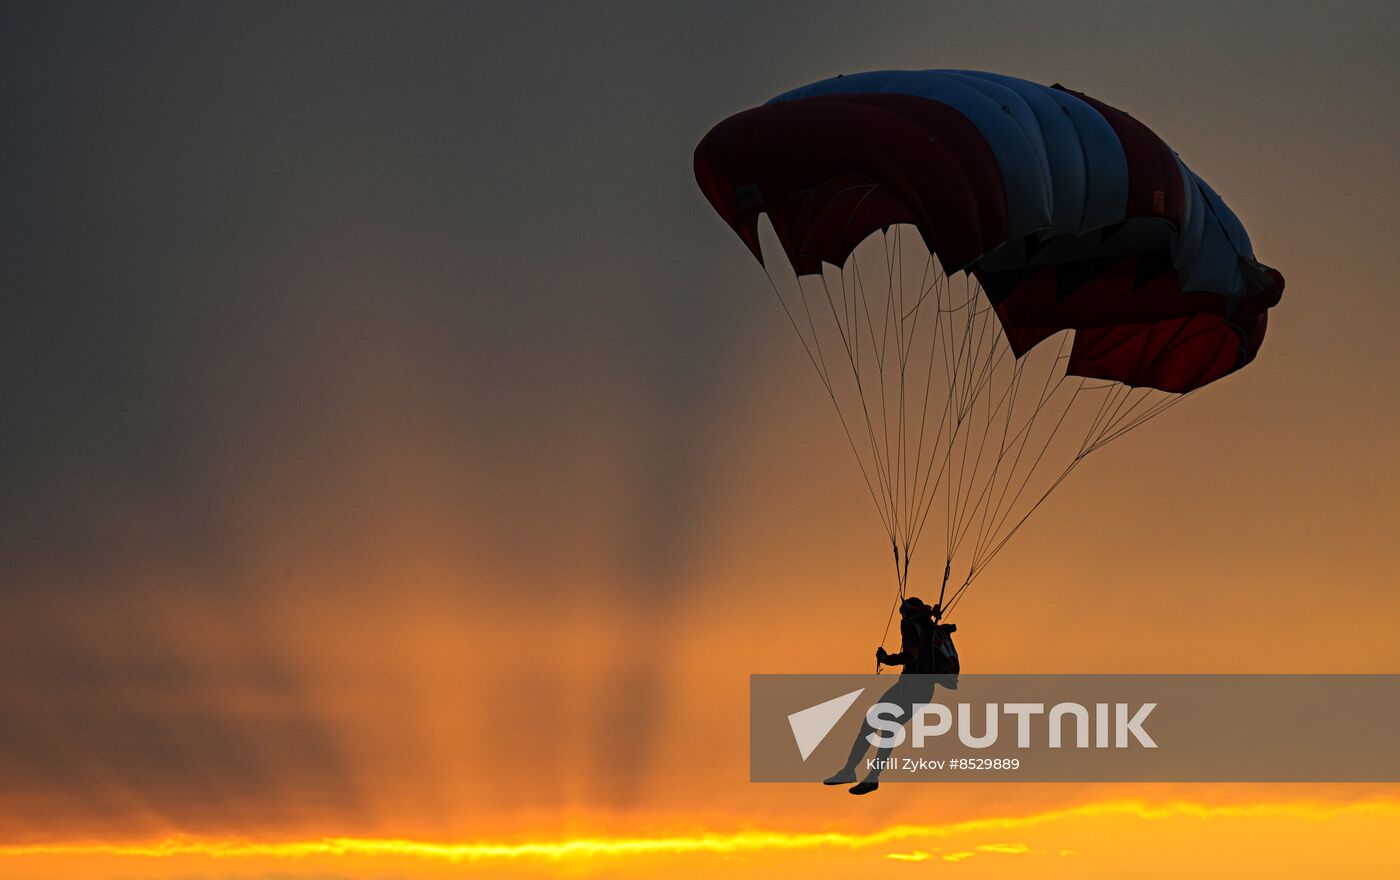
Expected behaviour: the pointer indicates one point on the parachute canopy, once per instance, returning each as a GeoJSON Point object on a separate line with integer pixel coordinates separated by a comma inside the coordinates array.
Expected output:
{"type": "Point", "coordinates": [1101, 281]}
{"type": "Point", "coordinates": [1070, 213]}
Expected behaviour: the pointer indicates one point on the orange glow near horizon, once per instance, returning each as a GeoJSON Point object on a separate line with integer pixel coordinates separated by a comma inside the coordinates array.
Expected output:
{"type": "Point", "coordinates": [1070, 833]}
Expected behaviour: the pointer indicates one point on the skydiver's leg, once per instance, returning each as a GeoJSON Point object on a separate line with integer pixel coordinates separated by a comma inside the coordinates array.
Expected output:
{"type": "Point", "coordinates": [913, 690]}
{"type": "Point", "coordinates": [847, 774]}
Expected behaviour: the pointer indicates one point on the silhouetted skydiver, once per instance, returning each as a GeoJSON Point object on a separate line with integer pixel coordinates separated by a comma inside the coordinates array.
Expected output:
{"type": "Point", "coordinates": [918, 654]}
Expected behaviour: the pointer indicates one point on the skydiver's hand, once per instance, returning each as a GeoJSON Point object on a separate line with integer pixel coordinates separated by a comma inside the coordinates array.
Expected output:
{"type": "Point", "coordinates": [881, 656]}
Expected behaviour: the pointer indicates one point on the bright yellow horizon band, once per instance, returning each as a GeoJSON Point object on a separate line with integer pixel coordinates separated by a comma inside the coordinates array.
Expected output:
{"type": "Point", "coordinates": [748, 840]}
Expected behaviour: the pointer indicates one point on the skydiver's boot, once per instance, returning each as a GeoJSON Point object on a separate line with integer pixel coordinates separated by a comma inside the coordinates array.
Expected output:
{"type": "Point", "coordinates": [847, 774]}
{"type": "Point", "coordinates": [871, 783]}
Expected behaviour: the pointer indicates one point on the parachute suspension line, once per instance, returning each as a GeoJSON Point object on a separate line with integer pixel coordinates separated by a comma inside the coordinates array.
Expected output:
{"type": "Point", "coordinates": [960, 516]}
{"type": "Point", "coordinates": [964, 526]}
{"type": "Point", "coordinates": [890, 326]}
{"type": "Point", "coordinates": [912, 316]}
{"type": "Point", "coordinates": [1111, 421]}
{"type": "Point", "coordinates": [851, 345]}
{"type": "Point", "coordinates": [955, 496]}
{"type": "Point", "coordinates": [1047, 392]}
{"type": "Point", "coordinates": [889, 619]}
{"type": "Point", "coordinates": [881, 350]}
{"type": "Point", "coordinates": [853, 341]}
{"type": "Point", "coordinates": [1147, 415]}
{"type": "Point", "coordinates": [995, 516]}
{"type": "Point", "coordinates": [907, 329]}
{"type": "Point", "coordinates": [892, 467]}
{"type": "Point", "coordinates": [915, 499]}
{"type": "Point", "coordinates": [1013, 387]}
{"type": "Point", "coordinates": [919, 481]}
{"type": "Point", "coordinates": [991, 513]}
{"type": "Point", "coordinates": [826, 382]}
{"type": "Point", "coordinates": [896, 277]}
{"type": "Point", "coordinates": [951, 362]}
{"type": "Point", "coordinates": [925, 510]}
{"type": "Point", "coordinates": [978, 560]}
{"type": "Point", "coordinates": [958, 529]}
{"type": "Point", "coordinates": [921, 484]}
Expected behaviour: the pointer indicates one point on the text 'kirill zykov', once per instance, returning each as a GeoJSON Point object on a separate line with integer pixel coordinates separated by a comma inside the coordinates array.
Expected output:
{"type": "Point", "coordinates": [935, 719]}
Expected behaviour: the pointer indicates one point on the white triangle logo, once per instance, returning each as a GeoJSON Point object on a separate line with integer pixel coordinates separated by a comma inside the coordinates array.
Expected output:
{"type": "Point", "coordinates": [811, 725]}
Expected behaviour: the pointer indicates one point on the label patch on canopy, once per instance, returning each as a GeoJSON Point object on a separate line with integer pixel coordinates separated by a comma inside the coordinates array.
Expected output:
{"type": "Point", "coordinates": [747, 197]}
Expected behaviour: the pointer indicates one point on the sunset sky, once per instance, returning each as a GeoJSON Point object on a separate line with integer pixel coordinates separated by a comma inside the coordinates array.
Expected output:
{"type": "Point", "coordinates": [402, 469]}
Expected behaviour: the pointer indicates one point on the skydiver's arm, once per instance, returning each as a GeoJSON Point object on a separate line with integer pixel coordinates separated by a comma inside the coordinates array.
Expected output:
{"type": "Point", "coordinates": [903, 657]}
{"type": "Point", "coordinates": [910, 647]}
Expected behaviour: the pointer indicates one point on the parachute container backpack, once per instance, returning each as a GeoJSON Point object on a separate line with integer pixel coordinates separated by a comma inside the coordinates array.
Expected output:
{"type": "Point", "coordinates": [992, 279]}
{"type": "Point", "coordinates": [945, 655]}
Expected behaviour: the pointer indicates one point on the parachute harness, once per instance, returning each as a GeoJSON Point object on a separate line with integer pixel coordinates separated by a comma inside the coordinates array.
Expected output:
{"type": "Point", "coordinates": [943, 410]}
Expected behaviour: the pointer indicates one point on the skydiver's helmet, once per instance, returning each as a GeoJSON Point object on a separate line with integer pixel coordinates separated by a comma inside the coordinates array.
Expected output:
{"type": "Point", "coordinates": [914, 607]}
